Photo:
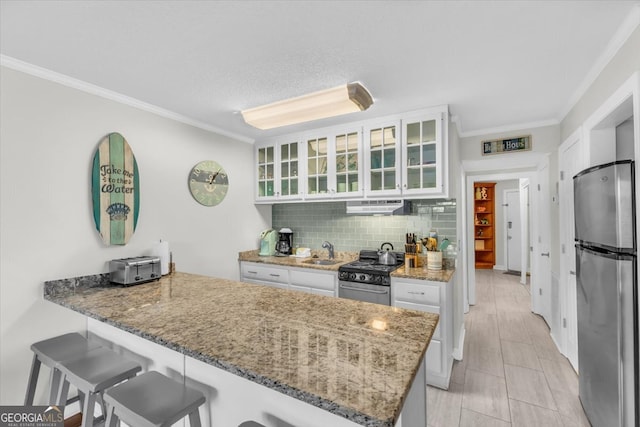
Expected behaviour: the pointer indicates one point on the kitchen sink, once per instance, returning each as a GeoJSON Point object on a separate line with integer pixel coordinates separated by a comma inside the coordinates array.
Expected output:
{"type": "Point", "coordinates": [320, 261]}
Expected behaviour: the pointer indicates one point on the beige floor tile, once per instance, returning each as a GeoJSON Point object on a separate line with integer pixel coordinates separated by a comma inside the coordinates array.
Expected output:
{"type": "Point", "coordinates": [570, 408]}
{"type": "Point", "coordinates": [485, 358]}
{"type": "Point", "coordinates": [443, 407]}
{"type": "Point", "coordinates": [560, 375]}
{"type": "Point", "coordinates": [512, 327]}
{"type": "Point", "coordinates": [520, 354]}
{"type": "Point", "coordinates": [486, 394]}
{"type": "Point", "coordinates": [458, 370]}
{"type": "Point", "coordinates": [528, 385]}
{"type": "Point", "coordinates": [526, 415]}
{"type": "Point", "coordinates": [470, 418]}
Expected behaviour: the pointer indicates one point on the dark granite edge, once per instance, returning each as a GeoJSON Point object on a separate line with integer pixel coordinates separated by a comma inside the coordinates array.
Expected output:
{"type": "Point", "coordinates": [314, 400]}
{"type": "Point", "coordinates": [54, 288]}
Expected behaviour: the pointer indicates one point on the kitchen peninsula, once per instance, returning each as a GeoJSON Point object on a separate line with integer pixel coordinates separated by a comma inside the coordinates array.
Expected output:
{"type": "Point", "coordinates": [275, 356]}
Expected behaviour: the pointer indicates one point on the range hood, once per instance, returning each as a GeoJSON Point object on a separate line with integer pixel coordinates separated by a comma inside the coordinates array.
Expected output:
{"type": "Point", "coordinates": [379, 207]}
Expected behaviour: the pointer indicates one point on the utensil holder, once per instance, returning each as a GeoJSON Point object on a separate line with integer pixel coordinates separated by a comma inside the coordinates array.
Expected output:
{"type": "Point", "coordinates": [434, 260]}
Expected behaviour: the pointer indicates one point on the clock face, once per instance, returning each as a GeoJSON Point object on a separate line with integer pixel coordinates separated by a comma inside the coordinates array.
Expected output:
{"type": "Point", "coordinates": [208, 183]}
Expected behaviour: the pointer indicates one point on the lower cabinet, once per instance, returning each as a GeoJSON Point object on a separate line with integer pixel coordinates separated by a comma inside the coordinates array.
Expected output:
{"type": "Point", "coordinates": [262, 274]}
{"type": "Point", "coordinates": [431, 297]}
{"type": "Point", "coordinates": [308, 280]}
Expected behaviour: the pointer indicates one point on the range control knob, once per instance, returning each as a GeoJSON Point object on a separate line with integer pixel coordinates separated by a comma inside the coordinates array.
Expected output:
{"type": "Point", "coordinates": [352, 276]}
{"type": "Point", "coordinates": [363, 277]}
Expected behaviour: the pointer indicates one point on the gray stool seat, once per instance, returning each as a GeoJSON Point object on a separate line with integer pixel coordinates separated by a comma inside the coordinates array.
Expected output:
{"type": "Point", "coordinates": [51, 352]}
{"type": "Point", "coordinates": [152, 400]}
{"type": "Point", "coordinates": [93, 372]}
{"type": "Point", "coordinates": [251, 424]}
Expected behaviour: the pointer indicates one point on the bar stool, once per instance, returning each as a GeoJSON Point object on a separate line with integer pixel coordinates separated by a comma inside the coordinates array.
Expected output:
{"type": "Point", "coordinates": [251, 424]}
{"type": "Point", "coordinates": [50, 352]}
{"type": "Point", "coordinates": [152, 400]}
{"type": "Point", "coordinates": [92, 373]}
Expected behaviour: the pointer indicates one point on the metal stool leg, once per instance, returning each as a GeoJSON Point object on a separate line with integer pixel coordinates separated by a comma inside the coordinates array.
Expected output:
{"type": "Point", "coordinates": [112, 418]}
{"type": "Point", "coordinates": [194, 418]}
{"type": "Point", "coordinates": [33, 380]}
{"type": "Point", "coordinates": [56, 375]}
{"type": "Point", "coordinates": [87, 410]}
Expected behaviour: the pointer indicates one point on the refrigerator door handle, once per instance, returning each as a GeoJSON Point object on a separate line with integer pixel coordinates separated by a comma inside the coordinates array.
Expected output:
{"type": "Point", "coordinates": [578, 281]}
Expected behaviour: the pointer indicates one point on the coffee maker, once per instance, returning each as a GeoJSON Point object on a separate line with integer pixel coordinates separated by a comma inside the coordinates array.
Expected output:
{"type": "Point", "coordinates": [284, 246]}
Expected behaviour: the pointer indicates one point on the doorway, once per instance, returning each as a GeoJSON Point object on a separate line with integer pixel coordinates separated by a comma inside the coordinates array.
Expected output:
{"type": "Point", "coordinates": [530, 167]}
{"type": "Point", "coordinates": [512, 231]}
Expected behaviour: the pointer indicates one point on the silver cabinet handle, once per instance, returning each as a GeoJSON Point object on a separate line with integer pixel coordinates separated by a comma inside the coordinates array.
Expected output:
{"type": "Point", "coordinates": [416, 293]}
{"type": "Point", "coordinates": [573, 273]}
{"type": "Point", "coordinates": [545, 254]}
{"type": "Point", "coordinates": [274, 275]}
{"type": "Point", "coordinates": [252, 272]}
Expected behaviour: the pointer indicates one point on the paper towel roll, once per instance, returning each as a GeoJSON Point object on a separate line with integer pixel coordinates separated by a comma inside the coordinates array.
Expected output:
{"type": "Point", "coordinates": [161, 249]}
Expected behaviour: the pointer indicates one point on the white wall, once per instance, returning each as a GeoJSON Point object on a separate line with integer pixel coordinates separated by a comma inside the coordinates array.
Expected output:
{"type": "Point", "coordinates": [47, 140]}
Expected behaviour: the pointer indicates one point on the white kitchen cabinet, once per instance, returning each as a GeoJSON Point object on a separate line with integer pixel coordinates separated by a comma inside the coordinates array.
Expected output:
{"type": "Point", "coordinates": [403, 156]}
{"type": "Point", "coordinates": [317, 282]}
{"type": "Point", "coordinates": [312, 281]}
{"type": "Point", "coordinates": [423, 171]}
{"type": "Point", "coordinates": [431, 297]}
{"type": "Point", "coordinates": [264, 274]}
{"type": "Point", "coordinates": [333, 163]}
{"type": "Point", "coordinates": [383, 152]}
{"type": "Point", "coordinates": [278, 170]}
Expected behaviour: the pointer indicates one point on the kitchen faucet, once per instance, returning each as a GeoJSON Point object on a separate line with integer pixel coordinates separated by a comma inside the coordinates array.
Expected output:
{"type": "Point", "coordinates": [328, 246]}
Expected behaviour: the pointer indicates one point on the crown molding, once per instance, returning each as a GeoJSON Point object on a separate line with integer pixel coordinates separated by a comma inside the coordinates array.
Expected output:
{"type": "Point", "coordinates": [46, 74]}
{"type": "Point", "coordinates": [502, 129]}
{"type": "Point", "coordinates": [628, 26]}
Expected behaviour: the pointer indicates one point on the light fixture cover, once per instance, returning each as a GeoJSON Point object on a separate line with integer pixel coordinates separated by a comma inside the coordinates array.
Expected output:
{"type": "Point", "coordinates": [348, 98]}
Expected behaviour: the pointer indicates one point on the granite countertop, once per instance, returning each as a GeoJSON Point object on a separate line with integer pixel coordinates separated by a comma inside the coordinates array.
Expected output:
{"type": "Point", "coordinates": [290, 261]}
{"type": "Point", "coordinates": [343, 258]}
{"type": "Point", "coordinates": [354, 359]}
{"type": "Point", "coordinates": [421, 274]}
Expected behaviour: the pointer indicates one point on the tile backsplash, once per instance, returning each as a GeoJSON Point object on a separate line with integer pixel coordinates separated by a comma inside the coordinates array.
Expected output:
{"type": "Point", "coordinates": [313, 223]}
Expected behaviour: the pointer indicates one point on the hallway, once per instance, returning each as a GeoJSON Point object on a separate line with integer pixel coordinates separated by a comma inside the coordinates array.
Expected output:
{"type": "Point", "coordinates": [512, 374]}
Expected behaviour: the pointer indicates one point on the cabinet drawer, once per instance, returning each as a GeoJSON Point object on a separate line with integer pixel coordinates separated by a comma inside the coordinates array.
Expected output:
{"type": "Point", "coordinates": [418, 293]}
{"type": "Point", "coordinates": [264, 273]}
{"type": "Point", "coordinates": [425, 308]}
{"type": "Point", "coordinates": [434, 356]}
{"type": "Point", "coordinates": [326, 281]}
{"type": "Point", "coordinates": [266, 283]}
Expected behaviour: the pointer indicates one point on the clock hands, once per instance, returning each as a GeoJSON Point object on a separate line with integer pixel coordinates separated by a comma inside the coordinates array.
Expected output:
{"type": "Point", "coordinates": [213, 177]}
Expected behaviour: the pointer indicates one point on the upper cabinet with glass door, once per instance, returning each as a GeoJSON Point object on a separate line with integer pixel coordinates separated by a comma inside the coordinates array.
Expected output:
{"type": "Point", "coordinates": [422, 151]}
{"type": "Point", "coordinates": [278, 172]}
{"type": "Point", "coordinates": [383, 167]}
{"type": "Point", "coordinates": [333, 164]}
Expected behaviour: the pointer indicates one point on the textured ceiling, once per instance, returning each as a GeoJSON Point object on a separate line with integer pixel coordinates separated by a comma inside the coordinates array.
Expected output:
{"type": "Point", "coordinates": [496, 63]}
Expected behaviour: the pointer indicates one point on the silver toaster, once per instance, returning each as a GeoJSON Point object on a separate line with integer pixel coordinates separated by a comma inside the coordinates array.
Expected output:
{"type": "Point", "coordinates": [132, 271]}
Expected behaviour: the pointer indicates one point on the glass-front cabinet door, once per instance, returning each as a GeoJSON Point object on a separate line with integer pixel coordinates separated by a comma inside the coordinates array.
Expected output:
{"type": "Point", "coordinates": [383, 168]}
{"type": "Point", "coordinates": [289, 167]}
{"type": "Point", "coordinates": [278, 166]}
{"type": "Point", "coordinates": [317, 160]}
{"type": "Point", "coordinates": [348, 160]}
{"type": "Point", "coordinates": [265, 163]}
{"type": "Point", "coordinates": [422, 154]}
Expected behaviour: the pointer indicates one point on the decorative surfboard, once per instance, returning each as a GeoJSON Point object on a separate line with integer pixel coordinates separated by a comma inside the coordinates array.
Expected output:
{"type": "Point", "coordinates": [115, 189]}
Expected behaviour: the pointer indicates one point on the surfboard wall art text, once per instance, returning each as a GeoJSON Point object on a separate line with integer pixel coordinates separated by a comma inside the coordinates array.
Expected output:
{"type": "Point", "coordinates": [115, 190]}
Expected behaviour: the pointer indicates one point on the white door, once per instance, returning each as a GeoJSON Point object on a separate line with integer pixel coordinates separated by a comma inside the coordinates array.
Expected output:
{"type": "Point", "coordinates": [570, 163]}
{"type": "Point", "coordinates": [541, 282]}
{"type": "Point", "coordinates": [513, 230]}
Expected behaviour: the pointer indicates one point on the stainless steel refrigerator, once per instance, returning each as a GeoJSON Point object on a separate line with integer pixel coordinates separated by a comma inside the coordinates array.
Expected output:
{"type": "Point", "coordinates": [607, 294]}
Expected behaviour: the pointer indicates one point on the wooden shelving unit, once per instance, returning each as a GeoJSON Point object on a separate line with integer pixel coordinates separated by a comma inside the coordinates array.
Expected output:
{"type": "Point", "coordinates": [484, 220]}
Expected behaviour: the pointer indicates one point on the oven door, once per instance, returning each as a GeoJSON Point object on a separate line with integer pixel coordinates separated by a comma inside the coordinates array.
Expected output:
{"type": "Point", "coordinates": [364, 292]}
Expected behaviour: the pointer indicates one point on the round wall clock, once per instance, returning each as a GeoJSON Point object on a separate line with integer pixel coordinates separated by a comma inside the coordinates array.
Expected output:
{"type": "Point", "coordinates": [208, 183]}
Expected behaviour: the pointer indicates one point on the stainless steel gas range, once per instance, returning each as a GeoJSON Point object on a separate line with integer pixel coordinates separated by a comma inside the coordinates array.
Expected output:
{"type": "Point", "coordinates": [366, 279]}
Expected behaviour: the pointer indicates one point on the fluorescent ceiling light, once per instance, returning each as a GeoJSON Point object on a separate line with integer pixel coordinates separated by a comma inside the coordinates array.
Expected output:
{"type": "Point", "coordinates": [348, 98]}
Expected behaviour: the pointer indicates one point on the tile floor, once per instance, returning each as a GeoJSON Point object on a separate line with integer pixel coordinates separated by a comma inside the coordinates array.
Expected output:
{"type": "Point", "coordinates": [512, 374]}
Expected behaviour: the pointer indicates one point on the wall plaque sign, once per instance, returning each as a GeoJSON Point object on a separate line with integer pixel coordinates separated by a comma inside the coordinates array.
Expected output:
{"type": "Point", "coordinates": [509, 145]}
{"type": "Point", "coordinates": [115, 190]}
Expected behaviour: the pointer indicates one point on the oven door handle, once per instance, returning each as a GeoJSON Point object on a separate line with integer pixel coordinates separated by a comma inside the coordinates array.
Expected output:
{"type": "Point", "coordinates": [364, 290]}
